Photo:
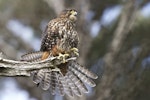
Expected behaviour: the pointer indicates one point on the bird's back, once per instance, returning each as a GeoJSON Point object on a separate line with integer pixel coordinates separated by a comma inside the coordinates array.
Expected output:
{"type": "Point", "coordinates": [59, 32]}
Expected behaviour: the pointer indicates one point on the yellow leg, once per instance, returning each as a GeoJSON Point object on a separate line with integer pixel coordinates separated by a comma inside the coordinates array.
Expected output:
{"type": "Point", "coordinates": [75, 51]}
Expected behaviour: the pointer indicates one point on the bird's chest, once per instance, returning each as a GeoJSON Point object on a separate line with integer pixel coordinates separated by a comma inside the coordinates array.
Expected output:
{"type": "Point", "coordinates": [68, 36]}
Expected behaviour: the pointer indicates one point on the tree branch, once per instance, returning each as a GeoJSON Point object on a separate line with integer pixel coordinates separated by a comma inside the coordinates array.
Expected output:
{"type": "Point", "coordinates": [22, 68]}
{"type": "Point", "coordinates": [126, 23]}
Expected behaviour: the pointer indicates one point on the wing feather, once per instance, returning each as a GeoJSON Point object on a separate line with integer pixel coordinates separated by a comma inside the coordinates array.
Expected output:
{"type": "Point", "coordinates": [84, 71]}
{"type": "Point", "coordinates": [45, 83]}
{"type": "Point", "coordinates": [53, 83]}
{"type": "Point", "coordinates": [83, 77]}
{"type": "Point", "coordinates": [60, 85]}
{"type": "Point", "coordinates": [38, 76]}
{"type": "Point", "coordinates": [67, 89]}
{"type": "Point", "coordinates": [77, 82]}
{"type": "Point", "coordinates": [33, 56]}
{"type": "Point", "coordinates": [74, 88]}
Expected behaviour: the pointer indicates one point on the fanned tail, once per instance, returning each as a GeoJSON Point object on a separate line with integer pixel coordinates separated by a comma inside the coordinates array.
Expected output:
{"type": "Point", "coordinates": [70, 80]}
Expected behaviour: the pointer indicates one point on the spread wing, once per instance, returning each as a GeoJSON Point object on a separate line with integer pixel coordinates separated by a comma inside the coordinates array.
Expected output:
{"type": "Point", "coordinates": [72, 83]}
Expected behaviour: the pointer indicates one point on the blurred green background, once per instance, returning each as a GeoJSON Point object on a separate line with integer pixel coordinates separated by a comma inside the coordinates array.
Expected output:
{"type": "Point", "coordinates": [114, 43]}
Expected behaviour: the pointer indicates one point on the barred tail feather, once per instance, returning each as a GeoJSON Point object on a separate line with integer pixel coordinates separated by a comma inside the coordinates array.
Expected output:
{"type": "Point", "coordinates": [78, 82]}
{"type": "Point", "coordinates": [60, 86]}
{"type": "Point", "coordinates": [53, 83]}
{"type": "Point", "coordinates": [71, 82]}
{"type": "Point", "coordinates": [45, 83]}
{"type": "Point", "coordinates": [73, 86]}
{"type": "Point", "coordinates": [83, 77]}
{"type": "Point", "coordinates": [85, 71]}
{"type": "Point", "coordinates": [67, 89]}
{"type": "Point", "coordinates": [38, 76]}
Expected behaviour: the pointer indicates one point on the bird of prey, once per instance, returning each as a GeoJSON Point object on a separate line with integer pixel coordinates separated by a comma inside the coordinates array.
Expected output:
{"type": "Point", "coordinates": [60, 39]}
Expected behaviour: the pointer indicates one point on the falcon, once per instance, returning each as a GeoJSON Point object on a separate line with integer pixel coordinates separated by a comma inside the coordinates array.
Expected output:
{"type": "Point", "coordinates": [60, 39]}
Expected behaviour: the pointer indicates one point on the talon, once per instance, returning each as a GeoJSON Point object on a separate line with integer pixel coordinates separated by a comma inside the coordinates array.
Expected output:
{"type": "Point", "coordinates": [75, 51]}
{"type": "Point", "coordinates": [63, 57]}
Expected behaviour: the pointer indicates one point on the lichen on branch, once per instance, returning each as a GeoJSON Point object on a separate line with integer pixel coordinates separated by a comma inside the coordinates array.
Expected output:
{"type": "Point", "coordinates": [22, 68]}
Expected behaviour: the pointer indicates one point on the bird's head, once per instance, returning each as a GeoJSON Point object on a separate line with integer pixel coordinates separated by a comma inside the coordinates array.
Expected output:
{"type": "Point", "coordinates": [71, 14]}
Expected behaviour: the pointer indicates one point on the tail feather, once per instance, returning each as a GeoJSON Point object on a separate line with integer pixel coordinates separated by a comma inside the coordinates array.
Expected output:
{"type": "Point", "coordinates": [78, 82]}
{"type": "Point", "coordinates": [82, 77]}
{"type": "Point", "coordinates": [53, 83]}
{"type": "Point", "coordinates": [45, 83]}
{"type": "Point", "coordinates": [85, 71]}
{"type": "Point", "coordinates": [67, 89]}
{"type": "Point", "coordinates": [73, 86]}
{"type": "Point", "coordinates": [60, 85]}
{"type": "Point", "coordinates": [70, 83]}
{"type": "Point", "coordinates": [38, 76]}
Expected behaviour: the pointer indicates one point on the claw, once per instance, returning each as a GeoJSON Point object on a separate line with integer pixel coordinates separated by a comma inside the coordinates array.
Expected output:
{"type": "Point", "coordinates": [75, 51]}
{"type": "Point", "coordinates": [63, 57]}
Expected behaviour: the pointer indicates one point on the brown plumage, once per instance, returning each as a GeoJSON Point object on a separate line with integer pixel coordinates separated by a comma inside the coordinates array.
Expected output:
{"type": "Point", "coordinates": [60, 34]}
{"type": "Point", "coordinates": [61, 37]}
